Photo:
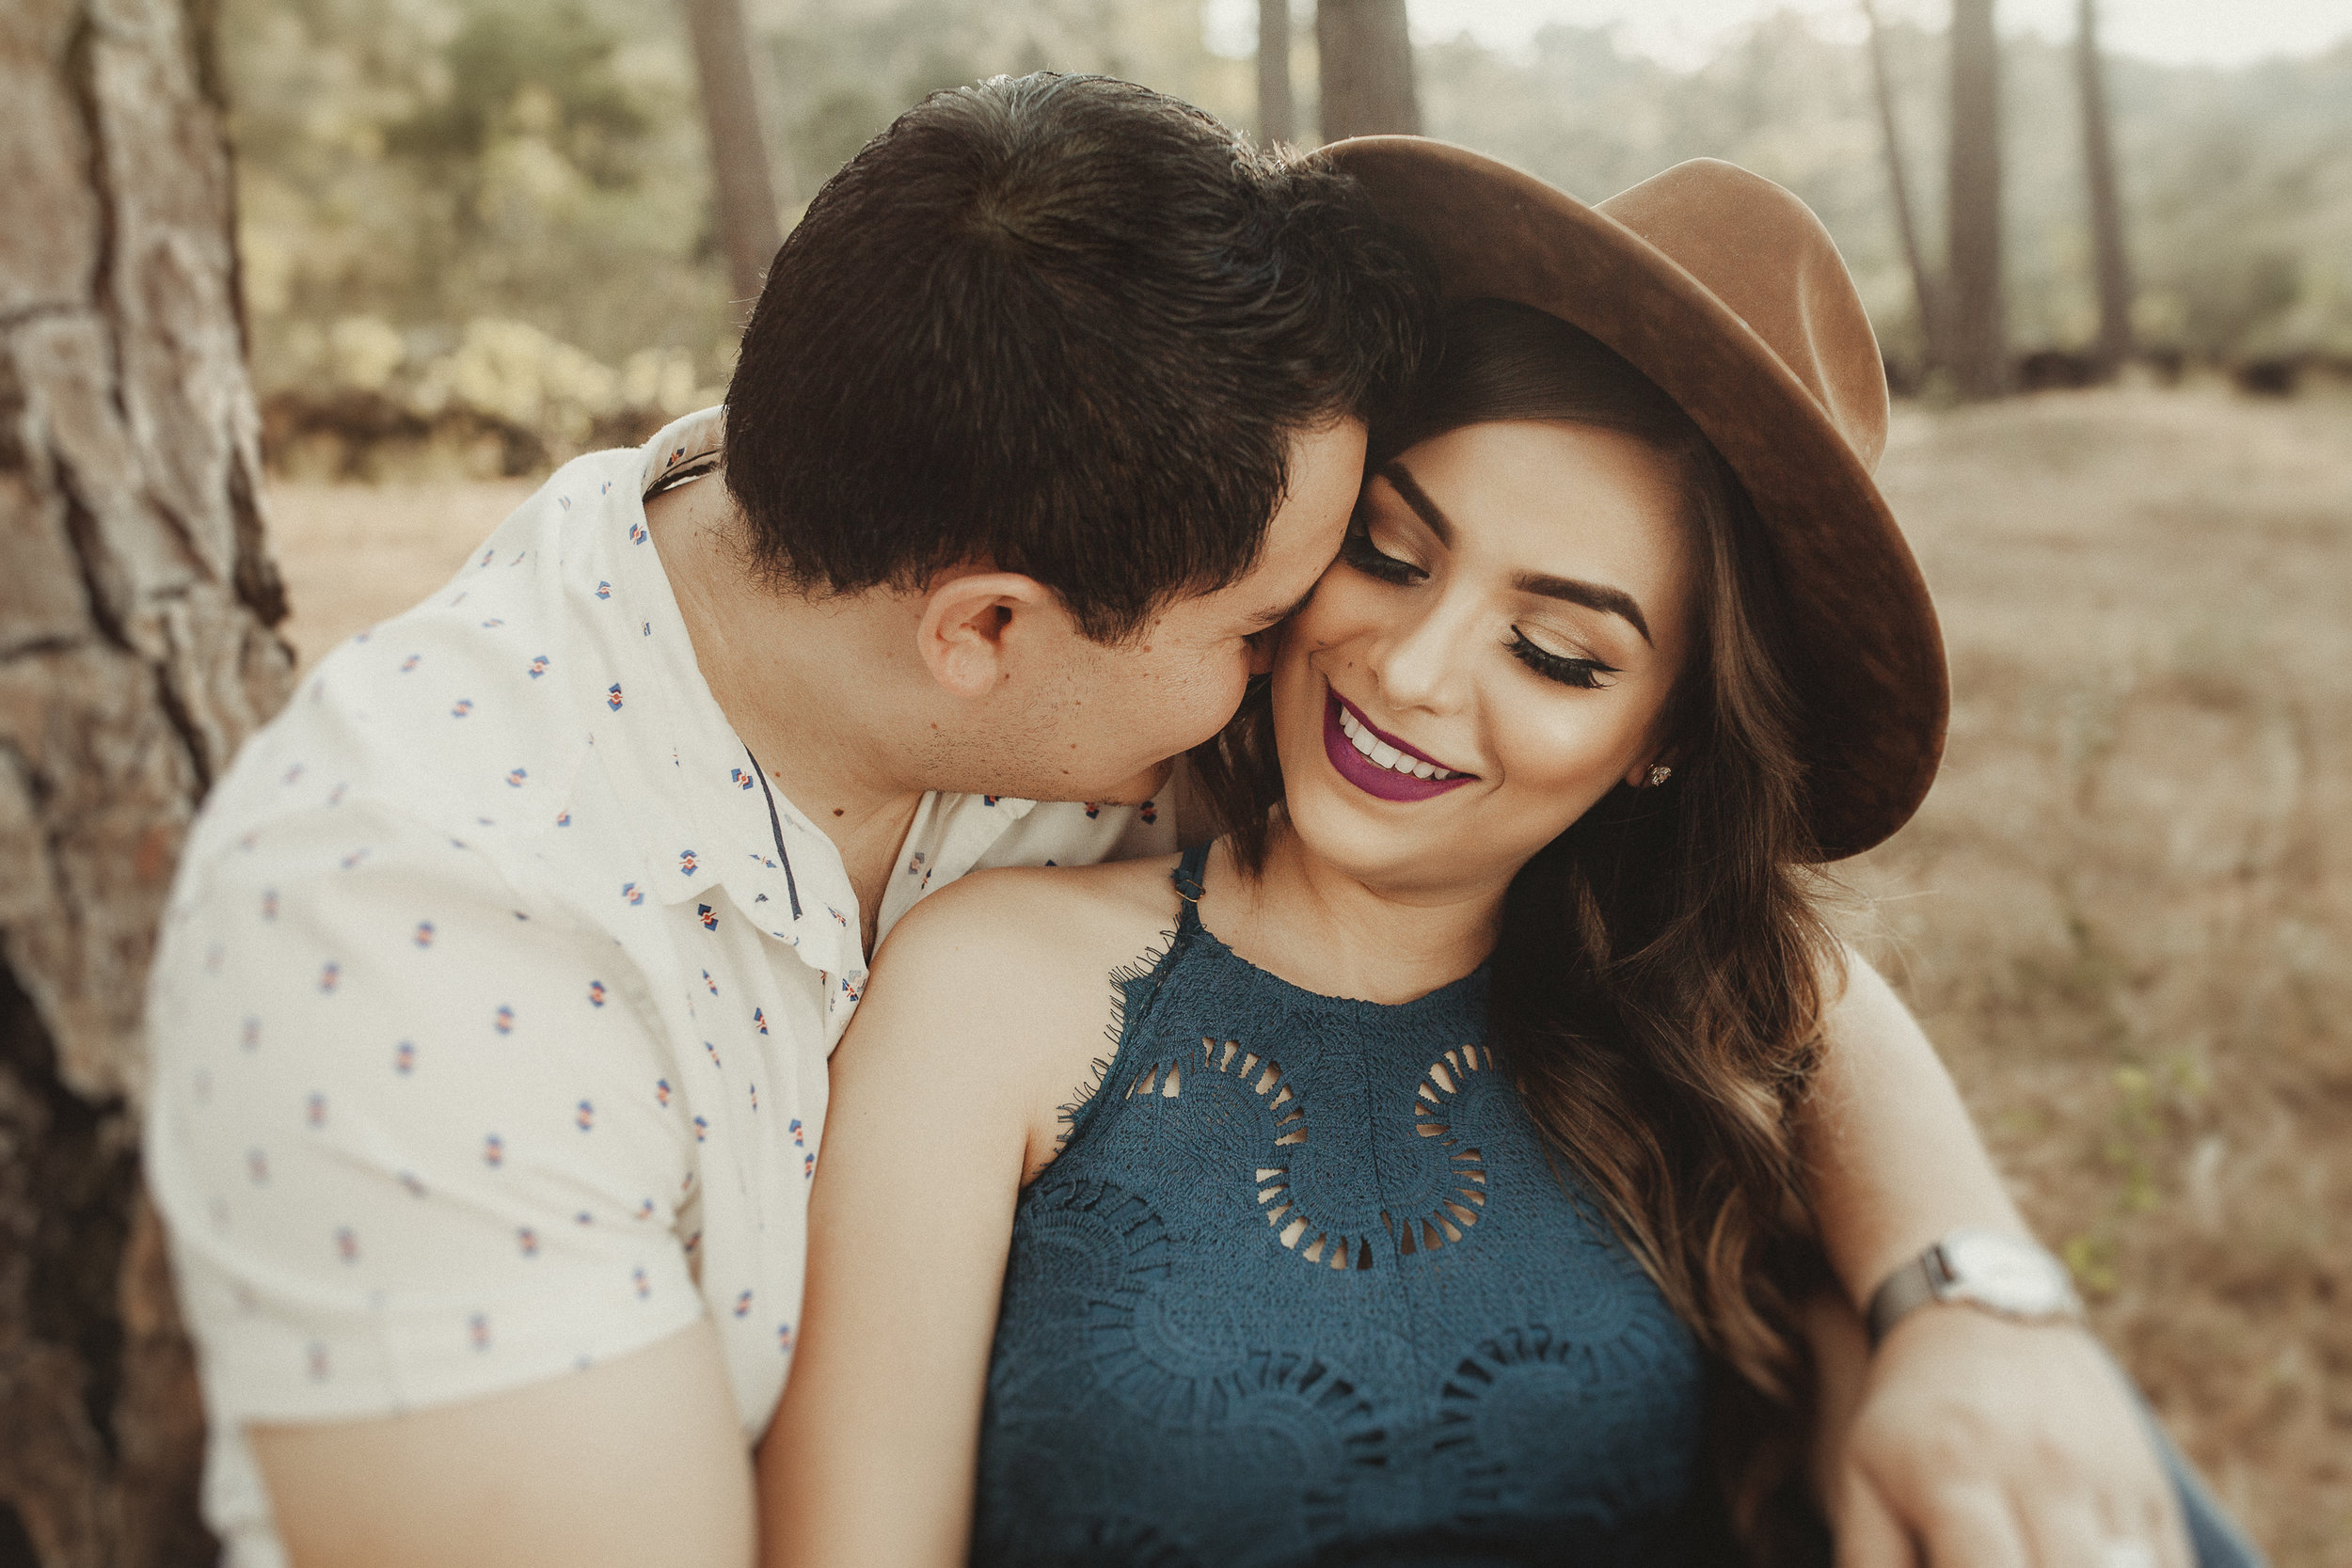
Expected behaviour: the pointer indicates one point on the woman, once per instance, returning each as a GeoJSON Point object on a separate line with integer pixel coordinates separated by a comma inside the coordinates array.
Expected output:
{"type": "Point", "coordinates": [1441, 1200]}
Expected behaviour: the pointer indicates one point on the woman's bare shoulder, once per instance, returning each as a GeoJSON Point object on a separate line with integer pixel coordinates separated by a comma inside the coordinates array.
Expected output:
{"type": "Point", "coordinates": [1021, 958]}
{"type": "Point", "coordinates": [1039, 920]}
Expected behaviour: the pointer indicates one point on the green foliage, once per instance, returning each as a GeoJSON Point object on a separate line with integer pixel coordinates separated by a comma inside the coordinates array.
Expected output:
{"type": "Point", "coordinates": [412, 166]}
{"type": "Point", "coordinates": [423, 179]}
{"type": "Point", "coordinates": [525, 69]}
{"type": "Point", "coordinates": [841, 70]}
{"type": "Point", "coordinates": [424, 163]}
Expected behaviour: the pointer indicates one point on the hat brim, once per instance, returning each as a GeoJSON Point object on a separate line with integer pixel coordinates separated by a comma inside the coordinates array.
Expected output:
{"type": "Point", "coordinates": [1871, 674]}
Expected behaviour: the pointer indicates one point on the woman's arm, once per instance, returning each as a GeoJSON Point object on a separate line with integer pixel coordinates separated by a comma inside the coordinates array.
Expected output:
{"type": "Point", "coordinates": [986, 1005]}
{"type": "Point", "coordinates": [1968, 1439]}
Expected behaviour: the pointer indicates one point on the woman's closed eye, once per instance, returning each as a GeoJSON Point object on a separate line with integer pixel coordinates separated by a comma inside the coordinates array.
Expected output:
{"type": "Point", "coordinates": [1358, 550]}
{"type": "Point", "coordinates": [1582, 673]}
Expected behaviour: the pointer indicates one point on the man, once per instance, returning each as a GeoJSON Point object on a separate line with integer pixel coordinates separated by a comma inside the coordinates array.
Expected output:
{"type": "Point", "coordinates": [493, 1007]}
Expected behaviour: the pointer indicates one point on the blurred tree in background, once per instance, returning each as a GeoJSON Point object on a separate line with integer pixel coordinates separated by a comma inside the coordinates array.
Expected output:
{"type": "Point", "coordinates": [1926, 293]}
{"type": "Point", "coordinates": [1366, 55]}
{"type": "Point", "coordinates": [505, 206]}
{"type": "Point", "coordinates": [743, 184]}
{"type": "Point", "coordinates": [1975, 322]}
{"type": "Point", "coordinates": [2111, 266]}
{"type": "Point", "coordinates": [1277, 113]}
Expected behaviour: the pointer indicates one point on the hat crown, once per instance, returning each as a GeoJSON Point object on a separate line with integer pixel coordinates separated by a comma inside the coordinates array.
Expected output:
{"type": "Point", "coordinates": [1764, 254]}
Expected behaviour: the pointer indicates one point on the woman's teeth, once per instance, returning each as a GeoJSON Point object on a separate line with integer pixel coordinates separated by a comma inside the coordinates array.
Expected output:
{"type": "Point", "coordinates": [1385, 754]}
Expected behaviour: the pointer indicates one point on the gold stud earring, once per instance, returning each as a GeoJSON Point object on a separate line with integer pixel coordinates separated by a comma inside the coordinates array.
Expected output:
{"type": "Point", "coordinates": [1658, 773]}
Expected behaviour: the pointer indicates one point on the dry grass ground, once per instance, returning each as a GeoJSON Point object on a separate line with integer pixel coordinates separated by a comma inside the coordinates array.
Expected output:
{"type": "Point", "coordinates": [2125, 913]}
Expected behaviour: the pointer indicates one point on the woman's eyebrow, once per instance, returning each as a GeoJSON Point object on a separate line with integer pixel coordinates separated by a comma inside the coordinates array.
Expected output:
{"type": "Point", "coordinates": [1418, 499]}
{"type": "Point", "coordinates": [1592, 595]}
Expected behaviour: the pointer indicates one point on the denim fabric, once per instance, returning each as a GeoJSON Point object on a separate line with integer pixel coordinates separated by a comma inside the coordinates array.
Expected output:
{"type": "Point", "coordinates": [2215, 1536]}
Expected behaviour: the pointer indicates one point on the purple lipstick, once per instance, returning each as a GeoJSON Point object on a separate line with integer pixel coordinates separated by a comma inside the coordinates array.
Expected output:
{"type": "Point", "coordinates": [1378, 763]}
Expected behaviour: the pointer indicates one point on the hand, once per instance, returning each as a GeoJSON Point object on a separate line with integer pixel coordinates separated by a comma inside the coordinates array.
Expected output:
{"type": "Point", "coordinates": [1969, 1441]}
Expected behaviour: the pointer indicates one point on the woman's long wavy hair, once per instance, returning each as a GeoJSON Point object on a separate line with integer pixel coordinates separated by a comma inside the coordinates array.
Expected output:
{"type": "Point", "coordinates": [1658, 984]}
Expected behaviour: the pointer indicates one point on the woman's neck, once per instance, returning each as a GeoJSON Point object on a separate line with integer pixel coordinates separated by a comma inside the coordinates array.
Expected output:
{"type": "Point", "coordinates": [1317, 926]}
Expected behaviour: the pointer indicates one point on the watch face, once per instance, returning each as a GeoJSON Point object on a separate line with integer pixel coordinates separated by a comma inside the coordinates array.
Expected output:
{"type": "Point", "coordinates": [2006, 1274]}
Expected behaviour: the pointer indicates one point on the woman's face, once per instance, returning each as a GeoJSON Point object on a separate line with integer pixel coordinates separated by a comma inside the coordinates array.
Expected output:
{"type": "Point", "coordinates": [1492, 651]}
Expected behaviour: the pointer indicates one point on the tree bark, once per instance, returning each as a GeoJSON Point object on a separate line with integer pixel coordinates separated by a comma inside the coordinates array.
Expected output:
{"type": "Point", "coordinates": [743, 187]}
{"type": "Point", "coordinates": [1976, 335]}
{"type": "Point", "coordinates": [1923, 284]}
{"type": "Point", "coordinates": [1367, 69]}
{"type": "Point", "coordinates": [135, 655]}
{"type": "Point", "coordinates": [2112, 263]}
{"type": "Point", "coordinates": [1277, 113]}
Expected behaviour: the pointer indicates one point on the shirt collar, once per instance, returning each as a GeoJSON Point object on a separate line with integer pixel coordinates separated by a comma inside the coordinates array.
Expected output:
{"type": "Point", "coordinates": [702, 809]}
{"type": "Point", "coordinates": [708, 818]}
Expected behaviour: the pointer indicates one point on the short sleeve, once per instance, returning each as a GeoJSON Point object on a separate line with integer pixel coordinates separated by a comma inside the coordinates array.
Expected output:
{"type": "Point", "coordinates": [414, 1140]}
{"type": "Point", "coordinates": [1069, 832]}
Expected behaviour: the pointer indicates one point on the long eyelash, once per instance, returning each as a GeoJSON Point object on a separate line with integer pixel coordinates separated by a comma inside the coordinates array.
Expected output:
{"type": "Point", "coordinates": [1358, 551]}
{"type": "Point", "coordinates": [1579, 673]}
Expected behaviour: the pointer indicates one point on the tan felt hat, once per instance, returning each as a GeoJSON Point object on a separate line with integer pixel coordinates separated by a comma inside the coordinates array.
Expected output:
{"type": "Point", "coordinates": [1725, 290]}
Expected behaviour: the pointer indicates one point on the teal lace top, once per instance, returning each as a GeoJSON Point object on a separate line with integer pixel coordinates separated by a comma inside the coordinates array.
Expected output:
{"type": "Point", "coordinates": [1305, 1287]}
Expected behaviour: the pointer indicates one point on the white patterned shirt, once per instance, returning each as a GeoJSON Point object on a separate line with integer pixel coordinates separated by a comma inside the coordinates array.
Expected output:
{"type": "Point", "coordinates": [490, 1018]}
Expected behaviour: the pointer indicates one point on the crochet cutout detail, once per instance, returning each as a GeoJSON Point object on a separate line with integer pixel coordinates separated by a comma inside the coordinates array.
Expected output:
{"type": "Point", "coordinates": [1261, 1075]}
{"type": "Point", "coordinates": [1466, 1168]}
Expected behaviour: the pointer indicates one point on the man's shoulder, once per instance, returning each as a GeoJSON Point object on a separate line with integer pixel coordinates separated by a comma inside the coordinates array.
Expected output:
{"type": "Point", "coordinates": [355, 756]}
{"type": "Point", "coordinates": [1073, 832]}
{"type": "Point", "coordinates": [458, 713]}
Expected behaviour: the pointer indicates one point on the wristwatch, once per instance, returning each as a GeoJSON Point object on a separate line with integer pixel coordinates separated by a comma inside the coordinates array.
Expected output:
{"type": "Point", "coordinates": [1988, 1269]}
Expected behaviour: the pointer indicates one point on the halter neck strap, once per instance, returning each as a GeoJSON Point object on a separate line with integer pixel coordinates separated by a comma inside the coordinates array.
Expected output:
{"type": "Point", "coordinates": [1188, 877]}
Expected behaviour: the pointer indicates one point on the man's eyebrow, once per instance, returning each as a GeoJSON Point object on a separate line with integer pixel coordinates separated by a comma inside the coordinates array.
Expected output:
{"type": "Point", "coordinates": [1266, 618]}
{"type": "Point", "coordinates": [1592, 595]}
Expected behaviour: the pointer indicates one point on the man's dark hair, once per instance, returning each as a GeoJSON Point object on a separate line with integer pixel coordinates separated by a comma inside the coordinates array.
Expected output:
{"type": "Point", "coordinates": [1067, 325]}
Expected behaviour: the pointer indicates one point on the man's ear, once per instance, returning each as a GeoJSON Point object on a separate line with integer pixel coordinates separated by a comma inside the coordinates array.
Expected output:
{"type": "Point", "coordinates": [970, 620]}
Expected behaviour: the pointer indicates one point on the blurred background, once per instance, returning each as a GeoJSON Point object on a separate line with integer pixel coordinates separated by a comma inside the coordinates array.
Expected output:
{"type": "Point", "coordinates": [2107, 247]}
{"type": "Point", "coordinates": [503, 208]}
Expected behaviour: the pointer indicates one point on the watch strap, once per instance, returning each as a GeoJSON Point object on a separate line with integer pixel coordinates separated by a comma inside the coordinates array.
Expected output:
{"type": "Point", "coordinates": [1944, 1272]}
{"type": "Point", "coordinates": [1909, 1287]}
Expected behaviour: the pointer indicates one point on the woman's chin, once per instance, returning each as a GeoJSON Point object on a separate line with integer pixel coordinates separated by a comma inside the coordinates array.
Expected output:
{"type": "Point", "coordinates": [1398, 855]}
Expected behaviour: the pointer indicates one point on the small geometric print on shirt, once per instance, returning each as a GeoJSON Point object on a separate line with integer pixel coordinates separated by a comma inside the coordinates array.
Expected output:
{"type": "Point", "coordinates": [419, 1054]}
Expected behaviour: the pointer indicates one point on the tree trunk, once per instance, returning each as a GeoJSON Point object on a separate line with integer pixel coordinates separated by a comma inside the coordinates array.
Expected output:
{"type": "Point", "coordinates": [135, 655]}
{"type": "Point", "coordinates": [1278, 115]}
{"type": "Point", "coordinates": [1975, 344]}
{"type": "Point", "coordinates": [1367, 58]}
{"type": "Point", "coordinates": [2107, 206]}
{"type": "Point", "coordinates": [1923, 288]}
{"type": "Point", "coordinates": [742, 186]}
